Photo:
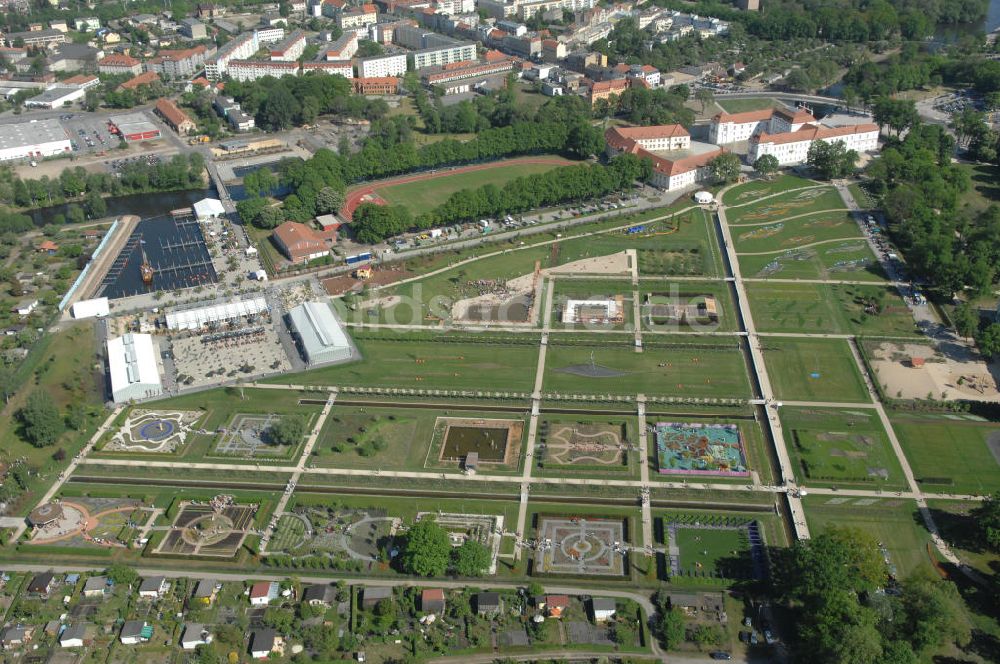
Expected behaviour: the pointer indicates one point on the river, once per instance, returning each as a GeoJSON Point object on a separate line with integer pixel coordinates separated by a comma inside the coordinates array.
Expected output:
{"type": "Point", "coordinates": [144, 206]}
{"type": "Point", "coordinates": [948, 34]}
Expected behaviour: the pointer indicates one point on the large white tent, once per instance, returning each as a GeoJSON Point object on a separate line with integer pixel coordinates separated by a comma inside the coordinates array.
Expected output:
{"type": "Point", "coordinates": [208, 208]}
{"type": "Point", "coordinates": [319, 332]}
{"type": "Point", "coordinates": [133, 368]}
{"type": "Point", "coordinates": [195, 319]}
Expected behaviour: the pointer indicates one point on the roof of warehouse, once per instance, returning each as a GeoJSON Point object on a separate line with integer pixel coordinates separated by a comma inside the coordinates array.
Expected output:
{"type": "Point", "coordinates": [317, 327]}
{"type": "Point", "coordinates": [31, 133]}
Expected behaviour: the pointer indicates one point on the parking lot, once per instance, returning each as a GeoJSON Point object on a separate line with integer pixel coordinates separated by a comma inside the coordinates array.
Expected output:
{"type": "Point", "coordinates": [88, 132]}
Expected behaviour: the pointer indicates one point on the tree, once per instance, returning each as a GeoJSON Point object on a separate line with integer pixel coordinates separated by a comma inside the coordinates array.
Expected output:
{"type": "Point", "coordinates": [672, 628]}
{"type": "Point", "coordinates": [471, 558]}
{"type": "Point", "coordinates": [279, 109]}
{"type": "Point", "coordinates": [966, 319]}
{"type": "Point", "coordinates": [95, 205]}
{"type": "Point", "coordinates": [329, 200]}
{"type": "Point", "coordinates": [987, 519]}
{"type": "Point", "coordinates": [896, 114]}
{"type": "Point", "coordinates": [7, 385]}
{"type": "Point", "coordinates": [122, 575]}
{"type": "Point", "coordinates": [426, 550]}
{"type": "Point", "coordinates": [767, 165]}
{"type": "Point", "coordinates": [42, 422]}
{"type": "Point", "coordinates": [288, 430]}
{"type": "Point", "coordinates": [988, 340]}
{"type": "Point", "coordinates": [704, 96]}
{"type": "Point", "coordinates": [831, 160]}
{"type": "Point", "coordinates": [934, 614]}
{"type": "Point", "coordinates": [725, 167]}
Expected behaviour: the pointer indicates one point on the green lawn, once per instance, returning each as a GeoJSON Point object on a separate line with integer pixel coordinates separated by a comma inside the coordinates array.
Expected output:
{"type": "Point", "coordinates": [895, 523]}
{"type": "Point", "coordinates": [411, 361]}
{"type": "Point", "coordinates": [850, 260]}
{"type": "Point", "coordinates": [62, 365]}
{"type": "Point", "coordinates": [956, 519]}
{"type": "Point", "coordinates": [841, 447]}
{"type": "Point", "coordinates": [949, 454]}
{"type": "Point", "coordinates": [813, 370]}
{"type": "Point", "coordinates": [786, 235]}
{"type": "Point", "coordinates": [712, 552]}
{"type": "Point", "coordinates": [789, 204]}
{"type": "Point", "coordinates": [671, 370]}
{"type": "Point", "coordinates": [748, 192]}
{"type": "Point", "coordinates": [425, 195]}
{"type": "Point", "coordinates": [985, 191]}
{"type": "Point", "coordinates": [744, 105]}
{"type": "Point", "coordinates": [828, 308]}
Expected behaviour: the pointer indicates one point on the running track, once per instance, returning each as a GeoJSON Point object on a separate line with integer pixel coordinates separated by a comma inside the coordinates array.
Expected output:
{"type": "Point", "coordinates": [355, 196]}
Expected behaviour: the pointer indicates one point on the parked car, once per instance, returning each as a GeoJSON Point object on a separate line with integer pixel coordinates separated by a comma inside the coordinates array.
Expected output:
{"type": "Point", "coordinates": [720, 654]}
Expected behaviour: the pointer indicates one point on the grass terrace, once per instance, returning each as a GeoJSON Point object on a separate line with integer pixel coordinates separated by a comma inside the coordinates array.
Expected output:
{"type": "Point", "coordinates": [951, 453]}
{"type": "Point", "coordinates": [813, 370]}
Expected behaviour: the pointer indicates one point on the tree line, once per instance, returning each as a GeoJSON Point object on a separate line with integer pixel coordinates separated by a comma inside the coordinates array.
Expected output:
{"type": "Point", "coordinates": [950, 248]}
{"type": "Point", "coordinates": [390, 149]}
{"type": "Point", "coordinates": [374, 223]}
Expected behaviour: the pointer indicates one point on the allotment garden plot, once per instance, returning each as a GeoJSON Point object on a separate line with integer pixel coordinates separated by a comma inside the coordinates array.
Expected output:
{"type": "Point", "coordinates": [714, 546]}
{"type": "Point", "coordinates": [580, 545]}
{"type": "Point", "coordinates": [565, 445]}
{"type": "Point", "coordinates": [153, 431]}
{"type": "Point", "coordinates": [215, 528]}
{"type": "Point", "coordinates": [841, 447]}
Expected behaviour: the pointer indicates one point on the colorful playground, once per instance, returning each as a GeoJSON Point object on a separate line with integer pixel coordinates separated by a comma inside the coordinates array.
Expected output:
{"type": "Point", "coordinates": [700, 449]}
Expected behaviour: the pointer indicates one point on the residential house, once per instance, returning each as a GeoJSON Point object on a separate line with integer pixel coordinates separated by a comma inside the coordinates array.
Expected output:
{"type": "Point", "coordinates": [95, 586]}
{"type": "Point", "coordinates": [432, 600]}
{"type": "Point", "coordinates": [195, 635]}
{"type": "Point", "coordinates": [262, 643]}
{"type": "Point", "coordinates": [48, 247]}
{"type": "Point", "coordinates": [602, 609]}
{"type": "Point", "coordinates": [487, 604]}
{"type": "Point", "coordinates": [134, 632]}
{"type": "Point", "coordinates": [42, 584]}
{"type": "Point", "coordinates": [371, 596]}
{"type": "Point", "coordinates": [319, 595]}
{"type": "Point", "coordinates": [205, 591]}
{"type": "Point", "coordinates": [75, 636]}
{"type": "Point", "coordinates": [89, 24]}
{"type": "Point", "coordinates": [555, 605]}
{"type": "Point", "coordinates": [15, 636]}
{"type": "Point", "coordinates": [153, 587]}
{"type": "Point", "coordinates": [263, 593]}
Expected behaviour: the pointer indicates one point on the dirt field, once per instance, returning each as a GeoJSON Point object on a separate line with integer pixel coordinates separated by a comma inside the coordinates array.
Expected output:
{"type": "Point", "coordinates": [943, 369]}
{"type": "Point", "coordinates": [380, 277]}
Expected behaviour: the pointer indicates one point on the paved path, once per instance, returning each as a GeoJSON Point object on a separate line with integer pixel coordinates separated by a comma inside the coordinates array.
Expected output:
{"type": "Point", "coordinates": [647, 513]}
{"type": "Point", "coordinates": [798, 515]}
{"type": "Point", "coordinates": [300, 468]}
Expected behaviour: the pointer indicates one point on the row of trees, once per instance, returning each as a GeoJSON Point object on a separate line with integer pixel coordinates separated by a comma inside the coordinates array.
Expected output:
{"type": "Point", "coordinates": [427, 551]}
{"type": "Point", "coordinates": [280, 103]}
{"type": "Point", "coordinates": [945, 244]}
{"type": "Point", "coordinates": [374, 223]}
{"type": "Point", "coordinates": [835, 581]}
{"type": "Point", "coordinates": [182, 171]}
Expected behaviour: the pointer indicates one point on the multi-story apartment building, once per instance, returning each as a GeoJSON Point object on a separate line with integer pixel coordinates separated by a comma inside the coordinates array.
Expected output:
{"type": "Point", "coordinates": [251, 70]}
{"type": "Point", "coordinates": [381, 85]}
{"type": "Point", "coordinates": [444, 55]}
{"type": "Point", "coordinates": [290, 48]}
{"type": "Point", "coordinates": [382, 66]}
{"type": "Point", "coordinates": [792, 147]}
{"type": "Point", "coordinates": [269, 35]}
{"type": "Point", "coordinates": [238, 48]}
{"type": "Point", "coordinates": [119, 63]}
{"type": "Point", "coordinates": [341, 67]}
{"type": "Point", "coordinates": [342, 49]}
{"type": "Point", "coordinates": [179, 63]}
{"type": "Point", "coordinates": [357, 17]}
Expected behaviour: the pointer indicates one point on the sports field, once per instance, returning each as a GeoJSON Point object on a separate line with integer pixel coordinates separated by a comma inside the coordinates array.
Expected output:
{"type": "Point", "coordinates": [829, 308]}
{"type": "Point", "coordinates": [813, 370]}
{"type": "Point", "coordinates": [951, 453]}
{"type": "Point", "coordinates": [814, 229]}
{"type": "Point", "coordinates": [841, 447]}
{"type": "Point", "coordinates": [409, 363]}
{"type": "Point", "coordinates": [425, 195]}
{"type": "Point", "coordinates": [677, 371]}
{"type": "Point", "coordinates": [789, 204]}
